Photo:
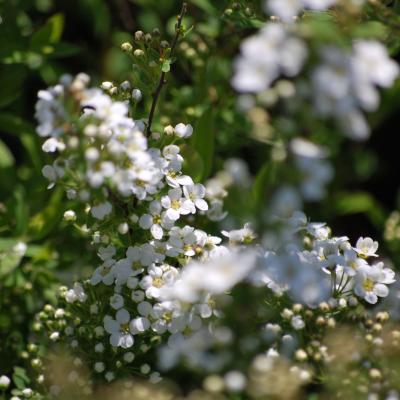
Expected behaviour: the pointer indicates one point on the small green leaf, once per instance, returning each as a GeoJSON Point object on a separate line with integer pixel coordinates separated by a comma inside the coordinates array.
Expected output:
{"type": "Point", "coordinates": [6, 157]}
{"type": "Point", "coordinates": [50, 33]}
{"type": "Point", "coordinates": [166, 65]}
{"type": "Point", "coordinates": [9, 262]}
{"type": "Point", "coordinates": [20, 378]}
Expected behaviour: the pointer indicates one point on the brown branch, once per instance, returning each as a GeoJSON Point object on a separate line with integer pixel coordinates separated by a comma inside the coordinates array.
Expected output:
{"type": "Point", "coordinates": [162, 80]}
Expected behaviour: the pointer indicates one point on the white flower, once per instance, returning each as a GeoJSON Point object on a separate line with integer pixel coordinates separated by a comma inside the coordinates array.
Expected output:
{"type": "Point", "coordinates": [156, 278]}
{"type": "Point", "coordinates": [284, 9]}
{"type": "Point", "coordinates": [371, 63]}
{"type": "Point", "coordinates": [52, 173]}
{"type": "Point", "coordinates": [215, 276]}
{"type": "Point", "coordinates": [297, 322]}
{"type": "Point", "coordinates": [183, 131]}
{"type": "Point", "coordinates": [370, 282]}
{"type": "Point", "coordinates": [136, 95]}
{"type": "Point", "coordinates": [347, 81]}
{"type": "Point", "coordinates": [366, 247]}
{"type": "Point", "coordinates": [195, 196]}
{"type": "Point", "coordinates": [139, 325]}
{"type": "Point", "coordinates": [20, 248]}
{"type": "Point", "coordinates": [353, 262]}
{"type": "Point", "coordinates": [119, 329]}
{"type": "Point", "coordinates": [175, 204]}
{"type": "Point", "coordinates": [76, 294]}
{"type": "Point", "coordinates": [265, 56]}
{"type": "Point", "coordinates": [101, 210]}
{"type": "Point", "coordinates": [52, 144]}
{"type": "Point", "coordinates": [156, 220]}
{"type": "Point", "coordinates": [116, 301]}
{"type": "Point", "coordinates": [244, 235]}
{"type": "Point", "coordinates": [4, 382]}
{"type": "Point", "coordinates": [99, 367]}
{"type": "Point", "coordinates": [235, 381]}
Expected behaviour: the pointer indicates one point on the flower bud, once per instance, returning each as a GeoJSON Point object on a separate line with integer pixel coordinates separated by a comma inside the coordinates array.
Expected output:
{"type": "Point", "coordinates": [138, 53]}
{"type": "Point", "coordinates": [106, 85]}
{"type": "Point", "coordinates": [169, 130]}
{"type": "Point", "coordinates": [139, 36]}
{"type": "Point", "coordinates": [70, 215]}
{"type": "Point", "coordinates": [137, 95]}
{"type": "Point", "coordinates": [126, 46]}
{"type": "Point", "coordinates": [4, 382]}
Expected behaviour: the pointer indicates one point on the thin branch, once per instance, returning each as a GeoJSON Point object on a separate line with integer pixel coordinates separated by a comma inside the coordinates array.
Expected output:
{"type": "Point", "coordinates": [162, 80]}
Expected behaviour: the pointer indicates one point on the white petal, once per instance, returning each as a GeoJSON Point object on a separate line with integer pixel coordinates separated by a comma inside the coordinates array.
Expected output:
{"type": "Point", "coordinates": [381, 290]}
{"type": "Point", "coordinates": [122, 316]}
{"type": "Point", "coordinates": [111, 326]}
{"type": "Point", "coordinates": [157, 231]}
{"type": "Point", "coordinates": [201, 204]}
{"type": "Point", "coordinates": [126, 341]}
{"type": "Point", "coordinates": [146, 221]}
{"type": "Point", "coordinates": [184, 180]}
{"type": "Point", "coordinates": [172, 214]}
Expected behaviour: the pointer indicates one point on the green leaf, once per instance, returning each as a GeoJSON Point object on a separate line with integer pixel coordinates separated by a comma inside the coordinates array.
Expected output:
{"type": "Point", "coordinates": [371, 29]}
{"type": "Point", "coordinates": [11, 81]}
{"type": "Point", "coordinates": [50, 33]}
{"type": "Point", "coordinates": [264, 178]}
{"type": "Point", "coordinates": [360, 202]}
{"type": "Point", "coordinates": [20, 378]}
{"type": "Point", "coordinates": [43, 223]}
{"type": "Point", "coordinates": [15, 125]}
{"type": "Point", "coordinates": [205, 5]}
{"type": "Point", "coordinates": [6, 157]}
{"type": "Point", "coordinates": [203, 140]}
{"type": "Point", "coordinates": [193, 164]}
{"type": "Point", "coordinates": [166, 65]}
{"type": "Point", "coordinates": [9, 262]}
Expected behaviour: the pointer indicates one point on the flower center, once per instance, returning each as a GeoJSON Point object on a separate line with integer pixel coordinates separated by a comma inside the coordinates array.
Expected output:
{"type": "Point", "coordinates": [167, 316]}
{"type": "Point", "coordinates": [136, 265]}
{"type": "Point", "coordinates": [353, 264]}
{"type": "Point", "coordinates": [175, 204]}
{"type": "Point", "coordinates": [368, 285]}
{"type": "Point", "coordinates": [158, 282]}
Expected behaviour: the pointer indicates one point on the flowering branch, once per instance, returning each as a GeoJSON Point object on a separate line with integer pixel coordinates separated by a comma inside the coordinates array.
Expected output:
{"type": "Point", "coordinates": [162, 80]}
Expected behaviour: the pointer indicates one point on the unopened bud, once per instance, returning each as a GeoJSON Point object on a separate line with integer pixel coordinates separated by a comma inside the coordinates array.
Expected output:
{"type": "Point", "coordinates": [138, 53]}
{"type": "Point", "coordinates": [126, 47]}
{"type": "Point", "coordinates": [139, 36]}
{"type": "Point", "coordinates": [136, 95]}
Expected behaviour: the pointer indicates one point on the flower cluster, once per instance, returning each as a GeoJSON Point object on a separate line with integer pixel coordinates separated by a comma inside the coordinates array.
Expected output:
{"type": "Point", "coordinates": [342, 84]}
{"type": "Point", "coordinates": [346, 81]}
{"type": "Point", "coordinates": [141, 194]}
{"type": "Point", "coordinates": [316, 266]}
{"type": "Point", "coordinates": [272, 52]}
{"type": "Point", "coordinates": [162, 290]}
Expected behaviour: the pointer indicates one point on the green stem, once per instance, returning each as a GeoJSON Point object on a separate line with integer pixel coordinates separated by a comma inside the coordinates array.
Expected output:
{"type": "Point", "coordinates": [162, 80]}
